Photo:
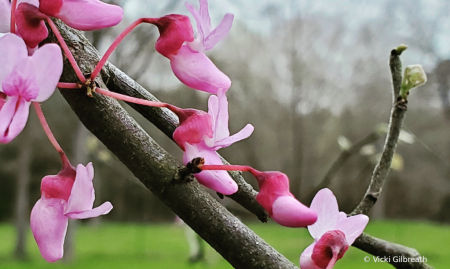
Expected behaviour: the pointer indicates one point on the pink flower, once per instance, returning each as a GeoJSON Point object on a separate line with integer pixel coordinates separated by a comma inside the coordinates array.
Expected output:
{"type": "Point", "coordinates": [85, 15]}
{"type": "Point", "coordinates": [274, 196]}
{"type": "Point", "coordinates": [187, 59]}
{"type": "Point", "coordinates": [333, 232]}
{"type": "Point", "coordinates": [24, 80]}
{"type": "Point", "coordinates": [70, 194]}
{"type": "Point", "coordinates": [200, 134]}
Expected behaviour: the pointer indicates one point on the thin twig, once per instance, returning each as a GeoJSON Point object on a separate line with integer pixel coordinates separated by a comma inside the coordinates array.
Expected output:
{"type": "Point", "coordinates": [398, 111]}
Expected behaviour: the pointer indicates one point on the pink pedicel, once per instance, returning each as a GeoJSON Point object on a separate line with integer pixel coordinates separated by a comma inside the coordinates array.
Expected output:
{"type": "Point", "coordinates": [333, 232]}
{"type": "Point", "coordinates": [70, 194]}
{"type": "Point", "coordinates": [25, 79]}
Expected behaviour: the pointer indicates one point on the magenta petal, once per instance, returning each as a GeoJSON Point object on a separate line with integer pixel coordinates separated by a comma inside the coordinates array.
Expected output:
{"type": "Point", "coordinates": [326, 206]}
{"type": "Point", "coordinates": [100, 210]}
{"type": "Point", "coordinates": [306, 261]}
{"type": "Point", "coordinates": [242, 134]}
{"type": "Point", "coordinates": [30, 24]}
{"type": "Point", "coordinates": [219, 181]}
{"type": "Point", "coordinates": [220, 32]}
{"type": "Point", "coordinates": [289, 212]}
{"type": "Point", "coordinates": [12, 51]}
{"type": "Point", "coordinates": [48, 69]}
{"type": "Point", "coordinates": [353, 227]}
{"type": "Point", "coordinates": [196, 70]}
{"type": "Point", "coordinates": [82, 195]}
{"type": "Point", "coordinates": [88, 15]}
{"type": "Point", "coordinates": [49, 227]}
{"type": "Point", "coordinates": [5, 16]}
{"type": "Point", "coordinates": [13, 118]}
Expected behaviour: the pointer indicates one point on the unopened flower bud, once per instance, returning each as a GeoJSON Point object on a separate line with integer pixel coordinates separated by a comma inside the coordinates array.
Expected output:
{"type": "Point", "coordinates": [414, 77]}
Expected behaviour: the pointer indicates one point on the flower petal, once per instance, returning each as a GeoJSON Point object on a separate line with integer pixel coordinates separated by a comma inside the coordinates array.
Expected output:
{"type": "Point", "coordinates": [5, 16]}
{"type": "Point", "coordinates": [49, 227]}
{"type": "Point", "coordinates": [12, 51]}
{"type": "Point", "coordinates": [196, 70]}
{"type": "Point", "coordinates": [289, 212]}
{"type": "Point", "coordinates": [100, 210]}
{"type": "Point", "coordinates": [82, 195]}
{"type": "Point", "coordinates": [221, 120]}
{"type": "Point", "coordinates": [326, 206]}
{"type": "Point", "coordinates": [220, 32]}
{"type": "Point", "coordinates": [220, 181]}
{"type": "Point", "coordinates": [306, 261]}
{"type": "Point", "coordinates": [242, 134]}
{"type": "Point", "coordinates": [195, 127]}
{"type": "Point", "coordinates": [22, 81]}
{"type": "Point", "coordinates": [13, 118]}
{"type": "Point", "coordinates": [213, 109]}
{"type": "Point", "coordinates": [30, 24]}
{"type": "Point", "coordinates": [88, 15]}
{"type": "Point", "coordinates": [353, 227]}
{"type": "Point", "coordinates": [48, 63]}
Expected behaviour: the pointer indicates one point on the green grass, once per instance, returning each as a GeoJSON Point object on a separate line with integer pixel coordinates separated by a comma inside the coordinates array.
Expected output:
{"type": "Point", "coordinates": [164, 246]}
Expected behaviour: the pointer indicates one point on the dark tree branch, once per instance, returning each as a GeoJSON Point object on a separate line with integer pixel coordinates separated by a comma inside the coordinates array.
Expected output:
{"type": "Point", "coordinates": [398, 111]}
{"type": "Point", "coordinates": [159, 171]}
{"type": "Point", "coordinates": [162, 118]}
{"type": "Point", "coordinates": [381, 248]}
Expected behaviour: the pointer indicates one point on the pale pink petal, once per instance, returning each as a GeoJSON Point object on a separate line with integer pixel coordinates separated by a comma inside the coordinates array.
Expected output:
{"type": "Point", "coordinates": [306, 261]}
{"type": "Point", "coordinates": [5, 16]}
{"type": "Point", "coordinates": [289, 212]}
{"type": "Point", "coordinates": [198, 19]}
{"type": "Point", "coordinates": [220, 181]}
{"type": "Point", "coordinates": [100, 210]}
{"type": "Point", "coordinates": [88, 15]}
{"type": "Point", "coordinates": [326, 206]}
{"type": "Point", "coordinates": [196, 70]}
{"type": "Point", "coordinates": [13, 118]}
{"type": "Point", "coordinates": [30, 24]}
{"type": "Point", "coordinates": [342, 216]}
{"type": "Point", "coordinates": [213, 109]}
{"type": "Point", "coordinates": [49, 227]}
{"type": "Point", "coordinates": [22, 81]}
{"type": "Point", "coordinates": [48, 63]}
{"type": "Point", "coordinates": [353, 227]}
{"type": "Point", "coordinates": [82, 195]}
{"type": "Point", "coordinates": [221, 120]}
{"type": "Point", "coordinates": [242, 134]}
{"type": "Point", "coordinates": [12, 51]}
{"type": "Point", "coordinates": [33, 2]}
{"type": "Point", "coordinates": [219, 32]}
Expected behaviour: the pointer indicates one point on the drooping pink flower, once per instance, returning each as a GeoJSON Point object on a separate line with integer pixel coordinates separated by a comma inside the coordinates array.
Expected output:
{"type": "Point", "coordinates": [85, 15]}
{"type": "Point", "coordinates": [187, 59]}
{"type": "Point", "coordinates": [70, 194]}
{"type": "Point", "coordinates": [200, 134]}
{"type": "Point", "coordinates": [274, 196]}
{"type": "Point", "coordinates": [25, 79]}
{"type": "Point", "coordinates": [333, 232]}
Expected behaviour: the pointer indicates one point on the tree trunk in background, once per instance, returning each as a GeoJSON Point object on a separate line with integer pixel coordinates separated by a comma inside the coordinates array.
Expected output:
{"type": "Point", "coordinates": [22, 210]}
{"type": "Point", "coordinates": [80, 157]}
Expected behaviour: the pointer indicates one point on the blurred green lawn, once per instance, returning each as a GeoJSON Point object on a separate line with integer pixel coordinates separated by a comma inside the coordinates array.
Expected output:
{"type": "Point", "coordinates": [116, 245]}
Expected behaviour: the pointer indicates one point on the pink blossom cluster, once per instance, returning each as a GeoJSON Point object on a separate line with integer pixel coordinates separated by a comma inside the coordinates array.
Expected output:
{"type": "Point", "coordinates": [29, 74]}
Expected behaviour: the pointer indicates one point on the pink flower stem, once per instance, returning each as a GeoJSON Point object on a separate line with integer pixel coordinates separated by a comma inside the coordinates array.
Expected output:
{"type": "Point", "coordinates": [13, 18]}
{"type": "Point", "coordinates": [66, 51]}
{"type": "Point", "coordinates": [243, 168]}
{"type": "Point", "coordinates": [333, 261]}
{"type": "Point", "coordinates": [67, 85]}
{"type": "Point", "coordinates": [116, 42]}
{"type": "Point", "coordinates": [134, 100]}
{"type": "Point", "coordinates": [46, 128]}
